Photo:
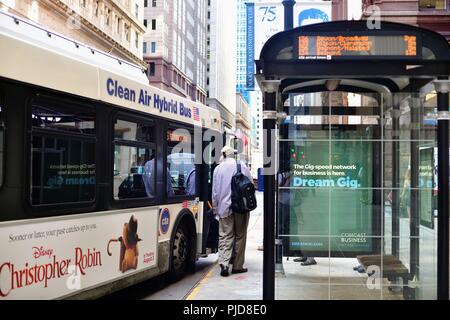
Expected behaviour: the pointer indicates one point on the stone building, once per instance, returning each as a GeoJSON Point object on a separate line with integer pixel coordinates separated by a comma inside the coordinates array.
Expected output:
{"type": "Point", "coordinates": [114, 26]}
{"type": "Point", "coordinates": [428, 14]}
{"type": "Point", "coordinates": [175, 46]}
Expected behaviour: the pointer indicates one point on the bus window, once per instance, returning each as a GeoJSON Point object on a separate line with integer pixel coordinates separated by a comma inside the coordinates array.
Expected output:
{"type": "Point", "coordinates": [180, 163]}
{"type": "Point", "coordinates": [62, 156]}
{"type": "Point", "coordinates": [2, 143]}
{"type": "Point", "coordinates": [69, 121]}
{"type": "Point", "coordinates": [134, 160]}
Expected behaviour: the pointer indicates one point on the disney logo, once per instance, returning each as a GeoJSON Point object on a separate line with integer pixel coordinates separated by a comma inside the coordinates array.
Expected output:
{"type": "Point", "coordinates": [41, 252]}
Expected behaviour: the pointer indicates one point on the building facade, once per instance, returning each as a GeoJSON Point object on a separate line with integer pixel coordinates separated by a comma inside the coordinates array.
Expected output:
{"type": "Point", "coordinates": [428, 14]}
{"type": "Point", "coordinates": [114, 26]}
{"type": "Point", "coordinates": [221, 83]}
{"type": "Point", "coordinates": [175, 46]}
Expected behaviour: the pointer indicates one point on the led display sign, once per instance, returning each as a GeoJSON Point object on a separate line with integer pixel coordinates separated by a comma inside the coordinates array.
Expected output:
{"type": "Point", "coordinates": [331, 46]}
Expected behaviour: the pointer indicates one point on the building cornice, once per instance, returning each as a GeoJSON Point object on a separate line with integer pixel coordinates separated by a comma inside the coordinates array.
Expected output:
{"type": "Point", "coordinates": [242, 121]}
{"type": "Point", "coordinates": [63, 8]}
{"type": "Point", "coordinates": [138, 24]}
{"type": "Point", "coordinates": [114, 4]}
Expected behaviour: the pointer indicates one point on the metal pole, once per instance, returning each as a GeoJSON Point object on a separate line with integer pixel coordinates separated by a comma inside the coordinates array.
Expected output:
{"type": "Point", "coordinates": [288, 14]}
{"type": "Point", "coordinates": [395, 180]}
{"type": "Point", "coordinates": [414, 222]}
{"type": "Point", "coordinates": [269, 123]}
{"type": "Point", "coordinates": [281, 215]}
{"type": "Point", "coordinates": [442, 88]}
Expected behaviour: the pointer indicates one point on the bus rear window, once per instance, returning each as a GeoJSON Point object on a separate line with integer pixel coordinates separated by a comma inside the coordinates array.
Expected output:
{"type": "Point", "coordinates": [54, 118]}
{"type": "Point", "coordinates": [62, 170]}
{"type": "Point", "coordinates": [62, 156]}
{"type": "Point", "coordinates": [2, 144]}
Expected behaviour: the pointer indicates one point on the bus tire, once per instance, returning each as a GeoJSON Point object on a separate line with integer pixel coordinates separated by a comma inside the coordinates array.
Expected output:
{"type": "Point", "coordinates": [180, 254]}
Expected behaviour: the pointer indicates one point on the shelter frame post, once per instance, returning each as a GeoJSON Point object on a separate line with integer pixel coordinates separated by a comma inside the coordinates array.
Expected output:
{"type": "Point", "coordinates": [270, 89]}
{"type": "Point", "coordinates": [442, 88]}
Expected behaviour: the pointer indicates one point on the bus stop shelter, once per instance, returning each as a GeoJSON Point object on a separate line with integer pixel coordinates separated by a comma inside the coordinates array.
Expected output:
{"type": "Point", "coordinates": [357, 153]}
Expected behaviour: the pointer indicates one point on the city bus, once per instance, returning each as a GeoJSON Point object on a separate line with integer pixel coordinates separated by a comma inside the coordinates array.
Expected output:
{"type": "Point", "coordinates": [94, 196]}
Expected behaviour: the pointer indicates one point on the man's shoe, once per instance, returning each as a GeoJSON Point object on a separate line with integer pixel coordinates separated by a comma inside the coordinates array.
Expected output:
{"type": "Point", "coordinates": [309, 262]}
{"type": "Point", "coordinates": [224, 271]}
{"type": "Point", "coordinates": [301, 259]}
{"type": "Point", "coordinates": [239, 270]}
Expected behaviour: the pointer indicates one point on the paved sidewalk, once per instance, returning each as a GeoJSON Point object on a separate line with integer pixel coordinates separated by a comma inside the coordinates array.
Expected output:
{"type": "Point", "coordinates": [244, 286]}
{"type": "Point", "coordinates": [329, 279]}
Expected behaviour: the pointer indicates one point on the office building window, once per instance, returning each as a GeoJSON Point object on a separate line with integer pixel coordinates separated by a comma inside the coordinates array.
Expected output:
{"type": "Point", "coordinates": [96, 8]}
{"type": "Point", "coordinates": [153, 49]}
{"type": "Point", "coordinates": [145, 47]}
{"type": "Point", "coordinates": [137, 11]}
{"type": "Point", "coordinates": [145, 22]}
{"type": "Point", "coordinates": [136, 37]}
{"type": "Point", "coordinates": [127, 33]}
{"type": "Point", "coordinates": [153, 3]}
{"type": "Point", "coordinates": [145, 3]}
{"type": "Point", "coordinates": [107, 16]}
{"type": "Point", "coordinates": [433, 4]}
{"type": "Point", "coordinates": [119, 23]}
{"type": "Point", "coordinates": [151, 69]}
{"type": "Point", "coordinates": [153, 24]}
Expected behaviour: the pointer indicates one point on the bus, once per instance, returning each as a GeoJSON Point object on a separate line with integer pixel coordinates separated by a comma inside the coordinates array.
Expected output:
{"type": "Point", "coordinates": [94, 196]}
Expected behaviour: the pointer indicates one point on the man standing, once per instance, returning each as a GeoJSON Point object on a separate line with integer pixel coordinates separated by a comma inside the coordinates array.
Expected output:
{"type": "Point", "coordinates": [232, 226]}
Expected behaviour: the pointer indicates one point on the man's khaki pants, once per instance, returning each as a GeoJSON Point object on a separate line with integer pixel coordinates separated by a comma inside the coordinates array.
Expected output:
{"type": "Point", "coordinates": [233, 232]}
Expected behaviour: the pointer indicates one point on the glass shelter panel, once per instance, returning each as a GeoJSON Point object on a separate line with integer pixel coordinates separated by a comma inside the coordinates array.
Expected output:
{"type": "Point", "coordinates": [357, 197]}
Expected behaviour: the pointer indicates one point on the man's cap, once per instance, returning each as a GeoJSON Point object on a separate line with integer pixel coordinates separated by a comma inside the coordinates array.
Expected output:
{"type": "Point", "coordinates": [228, 151]}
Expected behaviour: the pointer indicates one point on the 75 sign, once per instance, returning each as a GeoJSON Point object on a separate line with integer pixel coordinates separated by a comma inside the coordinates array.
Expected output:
{"type": "Point", "coordinates": [270, 13]}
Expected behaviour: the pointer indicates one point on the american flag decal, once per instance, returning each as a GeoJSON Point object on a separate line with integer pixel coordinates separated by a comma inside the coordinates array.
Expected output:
{"type": "Point", "coordinates": [196, 114]}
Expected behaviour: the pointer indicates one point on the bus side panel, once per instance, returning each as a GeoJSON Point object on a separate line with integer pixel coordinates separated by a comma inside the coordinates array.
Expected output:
{"type": "Point", "coordinates": [57, 257]}
{"type": "Point", "coordinates": [168, 215]}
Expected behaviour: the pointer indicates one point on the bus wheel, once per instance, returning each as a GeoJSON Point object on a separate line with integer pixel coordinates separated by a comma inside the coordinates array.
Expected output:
{"type": "Point", "coordinates": [180, 253]}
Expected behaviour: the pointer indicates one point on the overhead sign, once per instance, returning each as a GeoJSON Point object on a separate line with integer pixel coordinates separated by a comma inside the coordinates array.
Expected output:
{"type": "Point", "coordinates": [331, 46]}
{"type": "Point", "coordinates": [250, 78]}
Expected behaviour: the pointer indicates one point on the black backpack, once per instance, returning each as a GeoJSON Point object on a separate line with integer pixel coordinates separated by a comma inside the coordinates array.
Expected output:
{"type": "Point", "coordinates": [243, 197]}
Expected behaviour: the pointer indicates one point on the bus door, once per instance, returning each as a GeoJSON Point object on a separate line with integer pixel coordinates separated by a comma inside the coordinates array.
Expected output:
{"type": "Point", "coordinates": [209, 162]}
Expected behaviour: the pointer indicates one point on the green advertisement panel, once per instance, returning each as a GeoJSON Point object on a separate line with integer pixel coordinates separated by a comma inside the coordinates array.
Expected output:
{"type": "Point", "coordinates": [329, 196]}
{"type": "Point", "coordinates": [427, 186]}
